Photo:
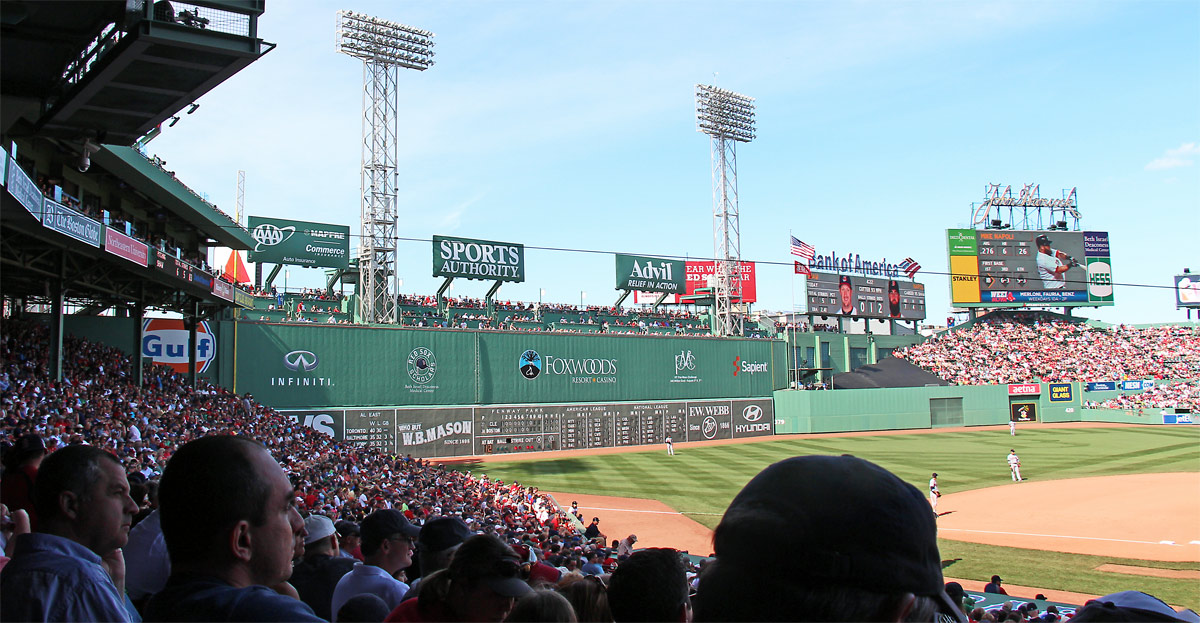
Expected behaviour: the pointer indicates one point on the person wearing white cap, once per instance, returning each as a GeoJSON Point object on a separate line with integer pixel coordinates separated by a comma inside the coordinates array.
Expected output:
{"type": "Point", "coordinates": [317, 574]}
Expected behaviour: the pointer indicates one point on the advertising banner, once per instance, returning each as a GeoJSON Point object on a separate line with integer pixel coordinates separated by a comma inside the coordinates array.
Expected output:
{"type": "Point", "coordinates": [68, 222]}
{"type": "Point", "coordinates": [698, 274]}
{"type": "Point", "coordinates": [1102, 386]}
{"type": "Point", "coordinates": [649, 274]}
{"type": "Point", "coordinates": [301, 366]}
{"type": "Point", "coordinates": [222, 289]}
{"type": "Point", "coordinates": [242, 298]}
{"type": "Point", "coordinates": [23, 189]}
{"type": "Point", "coordinates": [1131, 386]}
{"type": "Point", "coordinates": [1025, 389]}
{"type": "Point", "coordinates": [165, 342]}
{"type": "Point", "coordinates": [1022, 411]}
{"type": "Point", "coordinates": [125, 247]}
{"type": "Point", "coordinates": [1061, 392]}
{"type": "Point", "coordinates": [1011, 268]}
{"type": "Point", "coordinates": [478, 259]}
{"type": "Point", "coordinates": [329, 421]}
{"type": "Point", "coordinates": [299, 243]}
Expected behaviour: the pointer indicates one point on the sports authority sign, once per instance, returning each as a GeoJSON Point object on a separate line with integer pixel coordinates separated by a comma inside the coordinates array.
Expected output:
{"type": "Point", "coordinates": [478, 259]}
{"type": "Point", "coordinates": [650, 274]}
{"type": "Point", "coordinates": [1025, 389]}
{"type": "Point", "coordinates": [300, 243]}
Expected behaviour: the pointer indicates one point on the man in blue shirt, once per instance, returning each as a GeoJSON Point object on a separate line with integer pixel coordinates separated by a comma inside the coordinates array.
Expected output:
{"type": "Point", "coordinates": [71, 569]}
{"type": "Point", "coordinates": [230, 522]}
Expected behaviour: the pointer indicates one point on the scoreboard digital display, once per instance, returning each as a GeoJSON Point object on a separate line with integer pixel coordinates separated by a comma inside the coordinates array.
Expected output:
{"type": "Point", "coordinates": [1013, 268]}
{"type": "Point", "coordinates": [830, 294]}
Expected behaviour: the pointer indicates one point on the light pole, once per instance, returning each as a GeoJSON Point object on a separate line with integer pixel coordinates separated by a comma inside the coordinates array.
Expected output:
{"type": "Point", "coordinates": [383, 46]}
{"type": "Point", "coordinates": [728, 118]}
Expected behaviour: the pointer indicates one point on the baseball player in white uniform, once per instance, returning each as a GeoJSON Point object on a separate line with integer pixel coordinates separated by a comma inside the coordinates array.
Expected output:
{"type": "Point", "coordinates": [1014, 465]}
{"type": "Point", "coordinates": [934, 494]}
{"type": "Point", "coordinates": [1012, 427]}
{"type": "Point", "coordinates": [1052, 264]}
{"type": "Point", "coordinates": [670, 447]}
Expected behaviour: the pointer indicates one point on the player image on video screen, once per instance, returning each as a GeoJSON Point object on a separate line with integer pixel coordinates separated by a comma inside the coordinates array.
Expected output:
{"type": "Point", "coordinates": [846, 292]}
{"type": "Point", "coordinates": [1052, 264]}
{"type": "Point", "coordinates": [894, 298]}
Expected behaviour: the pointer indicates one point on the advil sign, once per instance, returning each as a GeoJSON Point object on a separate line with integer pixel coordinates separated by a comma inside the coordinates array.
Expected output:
{"type": "Point", "coordinates": [165, 340]}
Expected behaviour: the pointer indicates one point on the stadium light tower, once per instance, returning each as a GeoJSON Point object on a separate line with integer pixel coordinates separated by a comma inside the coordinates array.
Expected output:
{"type": "Point", "coordinates": [384, 47]}
{"type": "Point", "coordinates": [728, 118]}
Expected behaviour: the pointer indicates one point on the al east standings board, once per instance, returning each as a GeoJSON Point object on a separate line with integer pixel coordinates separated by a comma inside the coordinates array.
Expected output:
{"type": "Point", "coordinates": [1014, 268]}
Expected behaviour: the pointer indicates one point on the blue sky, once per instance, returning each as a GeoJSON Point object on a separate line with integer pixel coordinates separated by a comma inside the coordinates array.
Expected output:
{"type": "Point", "coordinates": [571, 125]}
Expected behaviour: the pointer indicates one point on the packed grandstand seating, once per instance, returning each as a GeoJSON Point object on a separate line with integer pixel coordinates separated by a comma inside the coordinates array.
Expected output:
{"type": "Point", "coordinates": [1181, 395]}
{"type": "Point", "coordinates": [97, 404]}
{"type": "Point", "coordinates": [1008, 351]}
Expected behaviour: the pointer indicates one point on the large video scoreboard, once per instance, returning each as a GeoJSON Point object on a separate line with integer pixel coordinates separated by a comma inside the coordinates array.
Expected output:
{"type": "Point", "coordinates": [1013, 268]}
{"type": "Point", "coordinates": [830, 294]}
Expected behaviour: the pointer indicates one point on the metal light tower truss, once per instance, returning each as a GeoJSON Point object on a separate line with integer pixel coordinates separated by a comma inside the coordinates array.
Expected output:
{"type": "Point", "coordinates": [384, 47]}
{"type": "Point", "coordinates": [728, 118]}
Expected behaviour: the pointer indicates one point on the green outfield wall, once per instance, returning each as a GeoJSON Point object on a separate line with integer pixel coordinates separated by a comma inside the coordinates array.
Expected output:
{"type": "Point", "coordinates": [307, 366]}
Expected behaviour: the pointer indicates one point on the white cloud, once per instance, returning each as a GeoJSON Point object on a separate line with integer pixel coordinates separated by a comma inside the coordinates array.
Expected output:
{"type": "Point", "coordinates": [1175, 158]}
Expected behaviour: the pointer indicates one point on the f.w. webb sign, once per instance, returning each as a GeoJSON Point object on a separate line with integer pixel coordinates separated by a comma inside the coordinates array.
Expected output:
{"type": "Point", "coordinates": [478, 259]}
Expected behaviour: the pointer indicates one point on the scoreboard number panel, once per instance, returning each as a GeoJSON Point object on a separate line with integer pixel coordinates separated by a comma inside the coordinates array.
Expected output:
{"type": "Point", "coordinates": [830, 294]}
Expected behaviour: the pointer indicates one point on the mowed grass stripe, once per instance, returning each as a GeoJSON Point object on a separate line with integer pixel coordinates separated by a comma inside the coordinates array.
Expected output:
{"type": "Point", "coordinates": [702, 481]}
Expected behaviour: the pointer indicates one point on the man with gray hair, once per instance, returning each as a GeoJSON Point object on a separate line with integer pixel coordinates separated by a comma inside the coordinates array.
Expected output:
{"type": "Point", "coordinates": [72, 569]}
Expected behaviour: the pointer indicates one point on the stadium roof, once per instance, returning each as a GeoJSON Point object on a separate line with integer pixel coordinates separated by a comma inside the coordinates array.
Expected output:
{"type": "Point", "coordinates": [166, 190]}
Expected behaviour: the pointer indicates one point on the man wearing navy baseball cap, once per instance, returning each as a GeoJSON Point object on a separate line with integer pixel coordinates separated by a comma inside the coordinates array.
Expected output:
{"type": "Point", "coordinates": [826, 538]}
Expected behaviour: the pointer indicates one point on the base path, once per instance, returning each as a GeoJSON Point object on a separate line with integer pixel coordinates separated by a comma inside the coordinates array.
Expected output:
{"type": "Point", "coordinates": [1140, 516]}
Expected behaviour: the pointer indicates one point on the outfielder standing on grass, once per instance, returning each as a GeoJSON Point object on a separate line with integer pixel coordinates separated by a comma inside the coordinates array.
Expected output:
{"type": "Point", "coordinates": [670, 447]}
{"type": "Point", "coordinates": [1014, 465]}
{"type": "Point", "coordinates": [934, 494]}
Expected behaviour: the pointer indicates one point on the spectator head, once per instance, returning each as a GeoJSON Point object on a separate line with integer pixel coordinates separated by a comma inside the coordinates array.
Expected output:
{"type": "Point", "coordinates": [438, 540]}
{"type": "Point", "coordinates": [836, 538]}
{"type": "Point", "coordinates": [1130, 606]}
{"type": "Point", "coordinates": [348, 534]}
{"type": "Point", "coordinates": [364, 608]}
{"type": "Point", "coordinates": [588, 596]}
{"type": "Point", "coordinates": [651, 585]}
{"type": "Point", "coordinates": [228, 510]}
{"type": "Point", "coordinates": [388, 539]}
{"type": "Point", "coordinates": [29, 449]}
{"type": "Point", "coordinates": [81, 494]}
{"type": "Point", "coordinates": [542, 606]}
{"type": "Point", "coordinates": [996, 580]}
{"type": "Point", "coordinates": [320, 537]}
{"type": "Point", "coordinates": [955, 592]}
{"type": "Point", "coordinates": [484, 580]}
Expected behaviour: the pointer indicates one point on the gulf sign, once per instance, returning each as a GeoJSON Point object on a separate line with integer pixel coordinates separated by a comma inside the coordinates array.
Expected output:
{"type": "Point", "coordinates": [165, 341]}
{"type": "Point", "coordinates": [1025, 389]}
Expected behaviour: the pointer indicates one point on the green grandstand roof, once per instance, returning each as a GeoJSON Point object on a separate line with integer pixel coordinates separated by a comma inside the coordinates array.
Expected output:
{"type": "Point", "coordinates": [165, 189]}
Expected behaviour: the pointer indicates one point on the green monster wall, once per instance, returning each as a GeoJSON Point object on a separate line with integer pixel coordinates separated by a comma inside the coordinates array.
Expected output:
{"type": "Point", "coordinates": [307, 366]}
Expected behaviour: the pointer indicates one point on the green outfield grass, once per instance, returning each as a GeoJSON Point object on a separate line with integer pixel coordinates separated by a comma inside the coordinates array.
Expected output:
{"type": "Point", "coordinates": [701, 481]}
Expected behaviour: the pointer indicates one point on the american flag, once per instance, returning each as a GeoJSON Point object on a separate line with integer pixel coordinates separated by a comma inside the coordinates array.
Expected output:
{"type": "Point", "coordinates": [802, 269]}
{"type": "Point", "coordinates": [802, 249]}
{"type": "Point", "coordinates": [910, 267]}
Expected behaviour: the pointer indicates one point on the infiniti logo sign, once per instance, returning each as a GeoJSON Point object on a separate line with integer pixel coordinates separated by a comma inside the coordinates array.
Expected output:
{"type": "Point", "coordinates": [300, 360]}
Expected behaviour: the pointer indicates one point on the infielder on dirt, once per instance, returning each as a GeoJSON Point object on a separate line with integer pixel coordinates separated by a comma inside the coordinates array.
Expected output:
{"type": "Point", "coordinates": [934, 494]}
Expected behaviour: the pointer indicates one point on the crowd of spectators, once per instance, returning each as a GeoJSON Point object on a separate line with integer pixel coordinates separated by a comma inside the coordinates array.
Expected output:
{"type": "Point", "coordinates": [352, 517]}
{"type": "Point", "coordinates": [1181, 395]}
{"type": "Point", "coordinates": [1013, 352]}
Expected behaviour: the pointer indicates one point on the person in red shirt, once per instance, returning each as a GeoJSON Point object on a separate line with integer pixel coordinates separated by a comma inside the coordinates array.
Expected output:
{"type": "Point", "coordinates": [20, 471]}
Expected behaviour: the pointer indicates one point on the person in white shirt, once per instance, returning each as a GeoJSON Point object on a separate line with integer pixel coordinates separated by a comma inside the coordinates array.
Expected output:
{"type": "Point", "coordinates": [1014, 465]}
{"type": "Point", "coordinates": [934, 494]}
{"type": "Point", "coordinates": [387, 547]}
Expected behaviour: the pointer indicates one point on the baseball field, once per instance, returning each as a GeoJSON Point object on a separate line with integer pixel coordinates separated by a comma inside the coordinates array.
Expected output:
{"type": "Point", "coordinates": [1103, 507]}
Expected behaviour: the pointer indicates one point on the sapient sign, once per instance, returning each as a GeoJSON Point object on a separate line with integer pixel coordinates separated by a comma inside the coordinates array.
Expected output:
{"type": "Point", "coordinates": [478, 259]}
{"type": "Point", "coordinates": [648, 274]}
{"type": "Point", "coordinates": [299, 243]}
